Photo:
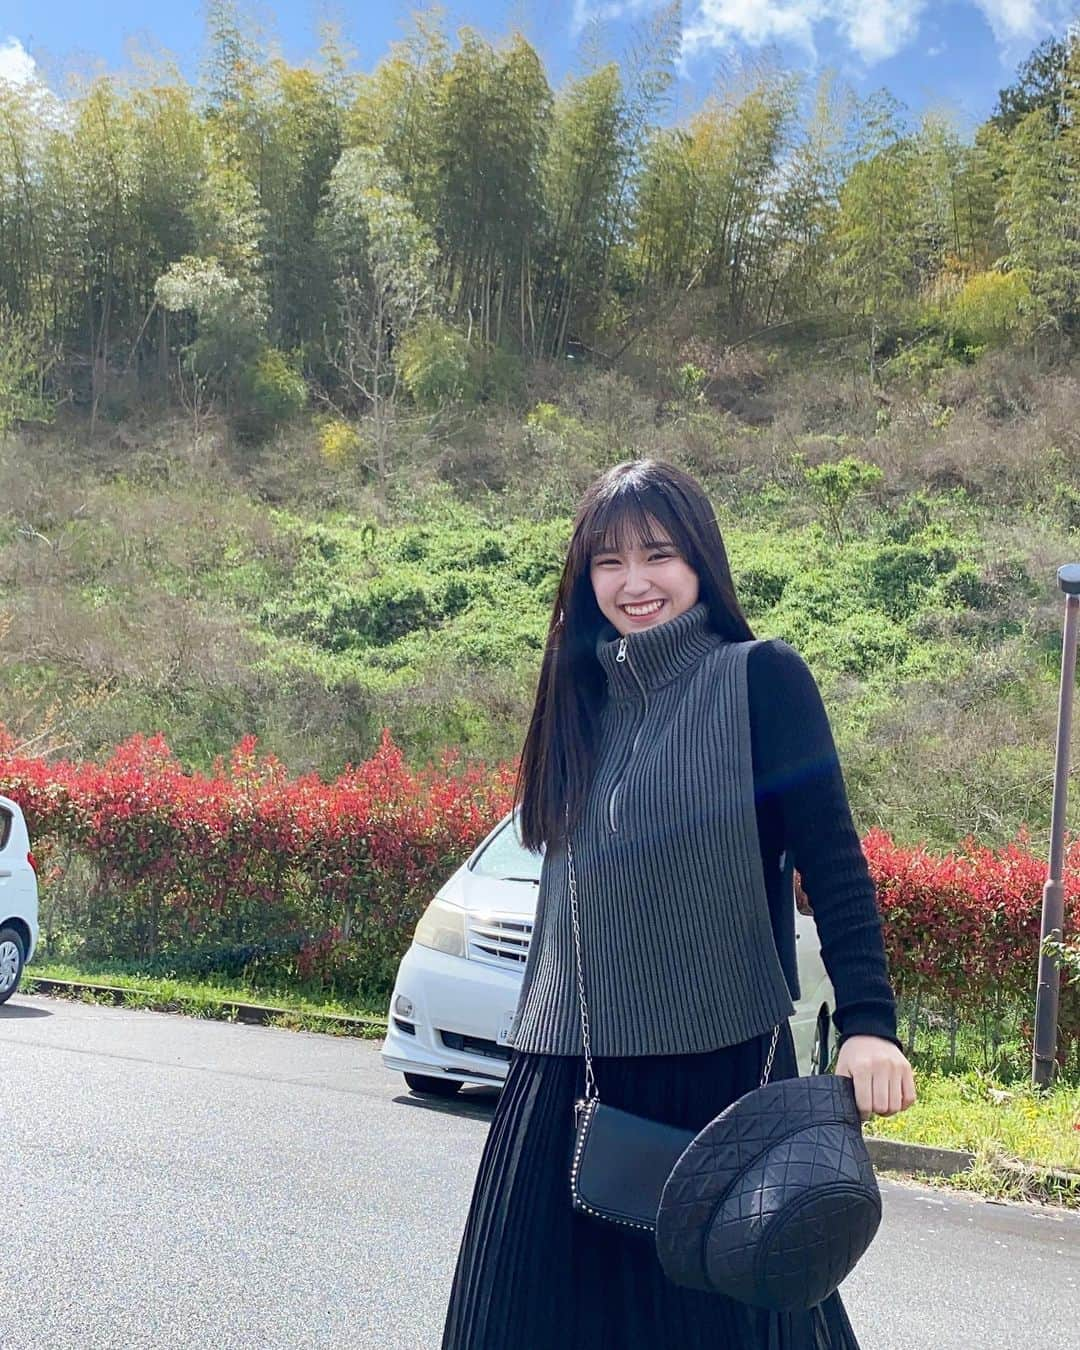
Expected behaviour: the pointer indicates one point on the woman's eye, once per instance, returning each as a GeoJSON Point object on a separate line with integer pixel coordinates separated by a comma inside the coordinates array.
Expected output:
{"type": "Point", "coordinates": [615, 562]}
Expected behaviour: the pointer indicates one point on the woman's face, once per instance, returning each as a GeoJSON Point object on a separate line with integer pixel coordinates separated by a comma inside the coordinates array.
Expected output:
{"type": "Point", "coordinates": [644, 585]}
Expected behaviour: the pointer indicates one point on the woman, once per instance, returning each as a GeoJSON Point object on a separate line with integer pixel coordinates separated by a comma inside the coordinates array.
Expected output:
{"type": "Point", "coordinates": [695, 767]}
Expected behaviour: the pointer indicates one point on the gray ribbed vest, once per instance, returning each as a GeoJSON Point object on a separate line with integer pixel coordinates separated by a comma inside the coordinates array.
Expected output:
{"type": "Point", "coordinates": [678, 944]}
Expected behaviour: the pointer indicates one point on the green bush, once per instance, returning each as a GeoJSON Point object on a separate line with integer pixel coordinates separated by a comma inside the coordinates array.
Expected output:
{"type": "Point", "coordinates": [690, 381]}
{"type": "Point", "coordinates": [499, 375]}
{"type": "Point", "coordinates": [760, 588]}
{"type": "Point", "coordinates": [863, 644]}
{"type": "Point", "coordinates": [966, 588]}
{"type": "Point", "coordinates": [437, 367]}
{"type": "Point", "coordinates": [899, 576]}
{"type": "Point", "coordinates": [276, 388]}
{"type": "Point", "coordinates": [919, 362]}
{"type": "Point", "coordinates": [834, 485]}
{"type": "Point", "coordinates": [913, 515]}
{"type": "Point", "coordinates": [22, 366]}
{"type": "Point", "coordinates": [991, 309]}
{"type": "Point", "coordinates": [271, 392]}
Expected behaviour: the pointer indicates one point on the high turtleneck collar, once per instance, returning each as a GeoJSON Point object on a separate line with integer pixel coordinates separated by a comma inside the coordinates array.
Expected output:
{"type": "Point", "coordinates": [656, 655]}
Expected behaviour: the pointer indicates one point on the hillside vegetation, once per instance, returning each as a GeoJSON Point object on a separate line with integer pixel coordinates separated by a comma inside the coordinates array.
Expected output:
{"type": "Point", "coordinates": [303, 370]}
{"type": "Point", "coordinates": [209, 594]}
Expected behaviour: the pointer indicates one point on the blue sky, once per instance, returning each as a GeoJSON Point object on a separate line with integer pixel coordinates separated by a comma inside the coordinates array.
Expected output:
{"type": "Point", "coordinates": [928, 53]}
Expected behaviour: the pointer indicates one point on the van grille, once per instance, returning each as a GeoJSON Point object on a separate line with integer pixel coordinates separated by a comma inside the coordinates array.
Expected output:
{"type": "Point", "coordinates": [499, 941]}
{"type": "Point", "coordinates": [475, 1045]}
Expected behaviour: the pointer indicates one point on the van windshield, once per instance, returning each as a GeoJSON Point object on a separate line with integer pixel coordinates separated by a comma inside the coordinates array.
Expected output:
{"type": "Point", "coordinates": [507, 858]}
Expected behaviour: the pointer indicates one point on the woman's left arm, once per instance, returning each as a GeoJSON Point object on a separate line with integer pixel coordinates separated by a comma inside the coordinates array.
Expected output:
{"type": "Point", "coordinates": [801, 770]}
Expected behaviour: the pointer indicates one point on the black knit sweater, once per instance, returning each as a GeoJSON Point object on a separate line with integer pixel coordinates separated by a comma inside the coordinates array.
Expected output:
{"type": "Point", "coordinates": [800, 795]}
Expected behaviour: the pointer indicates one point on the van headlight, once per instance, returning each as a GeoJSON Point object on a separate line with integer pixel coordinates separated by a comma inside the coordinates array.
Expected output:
{"type": "Point", "coordinates": [442, 927]}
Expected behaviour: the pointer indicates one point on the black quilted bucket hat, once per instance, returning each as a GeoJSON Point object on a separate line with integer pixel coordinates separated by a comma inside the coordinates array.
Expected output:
{"type": "Point", "coordinates": [775, 1200]}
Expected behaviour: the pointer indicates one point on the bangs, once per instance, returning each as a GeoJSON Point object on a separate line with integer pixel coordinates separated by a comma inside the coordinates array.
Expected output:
{"type": "Point", "coordinates": [630, 518]}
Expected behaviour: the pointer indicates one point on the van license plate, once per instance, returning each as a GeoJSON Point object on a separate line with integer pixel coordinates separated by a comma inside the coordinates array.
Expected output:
{"type": "Point", "coordinates": [504, 1028]}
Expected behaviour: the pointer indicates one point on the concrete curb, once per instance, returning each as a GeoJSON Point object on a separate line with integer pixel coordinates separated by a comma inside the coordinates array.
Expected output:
{"type": "Point", "coordinates": [895, 1155]}
{"type": "Point", "coordinates": [252, 1014]}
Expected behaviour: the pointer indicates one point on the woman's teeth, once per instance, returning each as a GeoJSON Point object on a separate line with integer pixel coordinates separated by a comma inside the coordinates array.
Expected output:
{"type": "Point", "coordinates": [638, 611]}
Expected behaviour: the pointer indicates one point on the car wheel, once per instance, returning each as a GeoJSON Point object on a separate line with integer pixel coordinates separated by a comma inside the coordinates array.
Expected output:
{"type": "Point", "coordinates": [821, 1053]}
{"type": "Point", "coordinates": [12, 956]}
{"type": "Point", "coordinates": [424, 1086]}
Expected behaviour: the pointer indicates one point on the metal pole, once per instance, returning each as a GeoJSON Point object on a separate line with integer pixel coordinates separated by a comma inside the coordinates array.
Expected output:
{"type": "Point", "coordinates": [1053, 906]}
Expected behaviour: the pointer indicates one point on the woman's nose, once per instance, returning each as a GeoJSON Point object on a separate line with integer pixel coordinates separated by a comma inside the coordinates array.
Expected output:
{"type": "Point", "coordinates": [636, 581]}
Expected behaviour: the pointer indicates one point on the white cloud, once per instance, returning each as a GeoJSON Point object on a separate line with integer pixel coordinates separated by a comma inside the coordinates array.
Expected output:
{"type": "Point", "coordinates": [1015, 20]}
{"type": "Point", "coordinates": [720, 23]}
{"type": "Point", "coordinates": [873, 29]}
{"type": "Point", "coordinates": [878, 29]}
{"type": "Point", "coordinates": [16, 64]}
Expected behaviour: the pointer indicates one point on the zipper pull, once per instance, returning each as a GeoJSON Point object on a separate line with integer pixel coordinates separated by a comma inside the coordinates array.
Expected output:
{"type": "Point", "coordinates": [620, 655]}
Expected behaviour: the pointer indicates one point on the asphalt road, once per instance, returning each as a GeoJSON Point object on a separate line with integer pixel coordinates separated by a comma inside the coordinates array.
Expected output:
{"type": "Point", "coordinates": [176, 1183]}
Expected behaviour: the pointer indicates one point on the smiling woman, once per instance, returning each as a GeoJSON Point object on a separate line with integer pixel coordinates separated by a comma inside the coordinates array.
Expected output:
{"type": "Point", "coordinates": [656, 747]}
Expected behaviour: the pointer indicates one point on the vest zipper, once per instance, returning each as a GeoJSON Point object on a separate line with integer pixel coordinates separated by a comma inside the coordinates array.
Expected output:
{"type": "Point", "coordinates": [621, 656]}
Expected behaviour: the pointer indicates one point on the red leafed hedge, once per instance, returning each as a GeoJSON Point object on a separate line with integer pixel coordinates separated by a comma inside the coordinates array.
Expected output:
{"type": "Point", "coordinates": [964, 928]}
{"type": "Point", "coordinates": [248, 871]}
{"type": "Point", "coordinates": [245, 869]}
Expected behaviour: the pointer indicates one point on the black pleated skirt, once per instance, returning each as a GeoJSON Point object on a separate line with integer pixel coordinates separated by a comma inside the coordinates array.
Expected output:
{"type": "Point", "coordinates": [532, 1274]}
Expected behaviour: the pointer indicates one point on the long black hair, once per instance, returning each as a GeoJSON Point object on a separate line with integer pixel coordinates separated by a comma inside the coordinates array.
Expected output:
{"type": "Point", "coordinates": [616, 510]}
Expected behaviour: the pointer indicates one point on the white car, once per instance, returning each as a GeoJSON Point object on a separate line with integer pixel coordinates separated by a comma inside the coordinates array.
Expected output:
{"type": "Point", "coordinates": [18, 898]}
{"type": "Point", "coordinates": [457, 986]}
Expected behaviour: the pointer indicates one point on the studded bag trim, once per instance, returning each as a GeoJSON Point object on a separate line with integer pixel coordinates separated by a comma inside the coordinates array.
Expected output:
{"type": "Point", "coordinates": [629, 1159]}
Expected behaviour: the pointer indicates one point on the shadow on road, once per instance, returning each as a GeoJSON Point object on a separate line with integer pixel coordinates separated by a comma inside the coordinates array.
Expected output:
{"type": "Point", "coordinates": [477, 1104]}
{"type": "Point", "coordinates": [10, 1011]}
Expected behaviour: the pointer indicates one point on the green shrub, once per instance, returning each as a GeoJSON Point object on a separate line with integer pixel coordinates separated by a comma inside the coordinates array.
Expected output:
{"type": "Point", "coordinates": [760, 588]}
{"type": "Point", "coordinates": [499, 375]}
{"type": "Point", "coordinates": [991, 309]}
{"type": "Point", "coordinates": [912, 517]}
{"type": "Point", "coordinates": [834, 485]}
{"type": "Point", "coordinates": [966, 588]}
{"type": "Point", "coordinates": [22, 367]}
{"type": "Point", "coordinates": [690, 381]}
{"type": "Point", "coordinates": [864, 643]}
{"type": "Point", "coordinates": [436, 366]}
{"type": "Point", "coordinates": [549, 424]}
{"type": "Point", "coordinates": [900, 575]}
{"type": "Point", "coordinates": [276, 388]}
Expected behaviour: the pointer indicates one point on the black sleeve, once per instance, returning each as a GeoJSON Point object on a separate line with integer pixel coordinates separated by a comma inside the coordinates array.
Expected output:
{"type": "Point", "coordinates": [796, 766]}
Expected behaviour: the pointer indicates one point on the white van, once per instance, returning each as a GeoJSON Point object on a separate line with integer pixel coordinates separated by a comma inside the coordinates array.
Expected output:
{"type": "Point", "coordinates": [18, 898]}
{"type": "Point", "coordinates": [457, 986]}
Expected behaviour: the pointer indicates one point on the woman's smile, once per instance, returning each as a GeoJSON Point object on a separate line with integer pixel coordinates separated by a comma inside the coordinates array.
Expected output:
{"type": "Point", "coordinates": [642, 612]}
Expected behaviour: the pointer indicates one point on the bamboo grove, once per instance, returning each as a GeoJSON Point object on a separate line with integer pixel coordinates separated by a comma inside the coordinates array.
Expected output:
{"type": "Point", "coordinates": [275, 233]}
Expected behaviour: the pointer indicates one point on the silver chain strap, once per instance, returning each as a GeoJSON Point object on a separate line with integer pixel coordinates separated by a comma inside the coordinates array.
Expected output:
{"type": "Point", "coordinates": [590, 1077]}
{"type": "Point", "coordinates": [586, 1039]}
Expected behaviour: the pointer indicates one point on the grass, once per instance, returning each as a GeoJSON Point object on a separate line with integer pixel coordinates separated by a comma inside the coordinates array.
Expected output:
{"type": "Point", "coordinates": [214, 997]}
{"type": "Point", "coordinates": [1026, 1144]}
{"type": "Point", "coordinates": [971, 1111]}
